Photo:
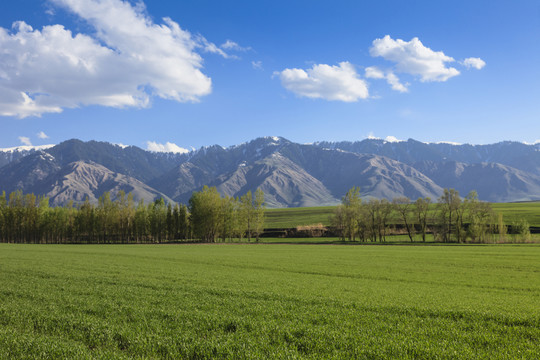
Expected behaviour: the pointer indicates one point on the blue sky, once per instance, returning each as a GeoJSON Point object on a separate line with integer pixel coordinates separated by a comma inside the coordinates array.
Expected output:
{"type": "Point", "coordinates": [195, 73]}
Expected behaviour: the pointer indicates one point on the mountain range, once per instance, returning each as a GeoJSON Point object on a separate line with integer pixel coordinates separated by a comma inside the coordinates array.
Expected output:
{"type": "Point", "coordinates": [290, 174]}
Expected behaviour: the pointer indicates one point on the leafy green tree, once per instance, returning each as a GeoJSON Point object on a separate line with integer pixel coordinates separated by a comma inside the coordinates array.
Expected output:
{"type": "Point", "coordinates": [449, 212]}
{"type": "Point", "coordinates": [3, 206]}
{"type": "Point", "coordinates": [86, 222]}
{"type": "Point", "coordinates": [169, 221]}
{"type": "Point", "coordinates": [158, 219]}
{"type": "Point", "coordinates": [183, 222]}
{"type": "Point", "coordinates": [228, 214]}
{"type": "Point", "coordinates": [480, 217]}
{"type": "Point", "coordinates": [386, 209]}
{"type": "Point", "coordinates": [205, 210]}
{"type": "Point", "coordinates": [351, 203]}
{"type": "Point", "coordinates": [373, 218]}
{"type": "Point", "coordinates": [337, 219]}
{"type": "Point", "coordinates": [141, 222]}
{"type": "Point", "coordinates": [259, 208]}
{"type": "Point", "coordinates": [247, 213]}
{"type": "Point", "coordinates": [521, 231]}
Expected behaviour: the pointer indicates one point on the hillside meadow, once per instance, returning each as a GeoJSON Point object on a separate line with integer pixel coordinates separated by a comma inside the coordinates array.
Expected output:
{"type": "Point", "coordinates": [258, 301]}
{"type": "Point", "coordinates": [292, 217]}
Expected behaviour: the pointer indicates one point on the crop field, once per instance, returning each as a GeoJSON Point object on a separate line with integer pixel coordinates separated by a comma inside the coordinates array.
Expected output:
{"type": "Point", "coordinates": [269, 301]}
{"type": "Point", "coordinates": [512, 212]}
{"type": "Point", "coordinates": [292, 217]}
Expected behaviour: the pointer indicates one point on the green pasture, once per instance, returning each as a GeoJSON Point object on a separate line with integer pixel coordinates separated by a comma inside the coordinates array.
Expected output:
{"type": "Point", "coordinates": [292, 217]}
{"type": "Point", "coordinates": [513, 212]}
{"type": "Point", "coordinates": [259, 301]}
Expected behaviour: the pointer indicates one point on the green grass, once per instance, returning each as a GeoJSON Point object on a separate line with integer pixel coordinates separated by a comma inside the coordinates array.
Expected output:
{"type": "Point", "coordinates": [292, 217]}
{"type": "Point", "coordinates": [513, 212]}
{"type": "Point", "coordinates": [269, 301]}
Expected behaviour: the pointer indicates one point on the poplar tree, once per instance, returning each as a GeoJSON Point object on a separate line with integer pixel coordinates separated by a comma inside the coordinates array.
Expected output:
{"type": "Point", "coordinates": [205, 210]}
{"type": "Point", "coordinates": [351, 205]}
{"type": "Point", "coordinates": [246, 213]}
{"type": "Point", "coordinates": [259, 207]}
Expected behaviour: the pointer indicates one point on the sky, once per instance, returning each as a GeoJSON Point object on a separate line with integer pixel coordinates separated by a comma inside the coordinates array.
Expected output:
{"type": "Point", "coordinates": [171, 75]}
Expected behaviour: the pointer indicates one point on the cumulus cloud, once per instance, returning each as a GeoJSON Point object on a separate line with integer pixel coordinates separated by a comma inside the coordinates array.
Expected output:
{"type": "Point", "coordinates": [25, 140]}
{"type": "Point", "coordinates": [343, 83]}
{"type": "Point", "coordinates": [42, 135]}
{"type": "Point", "coordinates": [412, 57]}
{"type": "Point", "coordinates": [340, 83]}
{"type": "Point", "coordinates": [124, 63]}
{"type": "Point", "coordinates": [374, 72]}
{"type": "Point", "coordinates": [167, 147]}
{"type": "Point", "coordinates": [476, 63]}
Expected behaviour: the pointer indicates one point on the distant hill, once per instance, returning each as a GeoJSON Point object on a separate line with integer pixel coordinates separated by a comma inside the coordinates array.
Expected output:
{"type": "Point", "coordinates": [515, 154]}
{"type": "Point", "coordinates": [289, 173]}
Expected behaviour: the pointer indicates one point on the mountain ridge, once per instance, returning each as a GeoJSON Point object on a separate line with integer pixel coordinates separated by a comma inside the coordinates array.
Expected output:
{"type": "Point", "coordinates": [290, 174]}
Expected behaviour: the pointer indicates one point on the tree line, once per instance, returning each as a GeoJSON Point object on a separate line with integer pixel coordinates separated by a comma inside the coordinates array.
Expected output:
{"type": "Point", "coordinates": [27, 218]}
{"type": "Point", "coordinates": [450, 219]}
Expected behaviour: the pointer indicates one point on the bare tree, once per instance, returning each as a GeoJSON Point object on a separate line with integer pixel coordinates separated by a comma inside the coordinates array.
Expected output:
{"type": "Point", "coordinates": [403, 207]}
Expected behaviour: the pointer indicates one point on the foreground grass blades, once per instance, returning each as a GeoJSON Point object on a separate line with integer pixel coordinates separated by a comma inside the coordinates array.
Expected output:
{"type": "Point", "coordinates": [269, 301]}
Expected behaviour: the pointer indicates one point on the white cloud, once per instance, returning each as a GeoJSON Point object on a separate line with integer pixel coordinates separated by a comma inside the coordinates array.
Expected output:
{"type": "Point", "coordinates": [128, 60]}
{"type": "Point", "coordinates": [412, 57]}
{"type": "Point", "coordinates": [167, 147]}
{"type": "Point", "coordinates": [231, 45]}
{"type": "Point", "coordinates": [476, 63]}
{"type": "Point", "coordinates": [257, 65]}
{"type": "Point", "coordinates": [323, 81]}
{"type": "Point", "coordinates": [42, 135]}
{"type": "Point", "coordinates": [394, 82]}
{"type": "Point", "coordinates": [374, 72]}
{"type": "Point", "coordinates": [25, 140]}
{"type": "Point", "coordinates": [210, 47]}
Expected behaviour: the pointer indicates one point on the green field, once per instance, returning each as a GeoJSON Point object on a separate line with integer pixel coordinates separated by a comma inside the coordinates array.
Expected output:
{"type": "Point", "coordinates": [269, 301]}
{"type": "Point", "coordinates": [292, 217]}
{"type": "Point", "coordinates": [512, 212]}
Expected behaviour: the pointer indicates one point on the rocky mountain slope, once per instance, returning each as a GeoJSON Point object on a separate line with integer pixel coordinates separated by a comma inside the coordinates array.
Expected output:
{"type": "Point", "coordinates": [290, 174]}
{"type": "Point", "coordinates": [515, 154]}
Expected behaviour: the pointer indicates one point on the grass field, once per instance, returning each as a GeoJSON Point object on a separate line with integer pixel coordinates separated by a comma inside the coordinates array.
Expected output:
{"type": "Point", "coordinates": [292, 217]}
{"type": "Point", "coordinates": [269, 301]}
{"type": "Point", "coordinates": [512, 212]}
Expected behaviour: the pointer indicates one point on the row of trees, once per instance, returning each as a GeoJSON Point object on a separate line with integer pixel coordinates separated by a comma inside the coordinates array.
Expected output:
{"type": "Point", "coordinates": [214, 217]}
{"type": "Point", "coordinates": [26, 218]}
{"type": "Point", "coordinates": [451, 219]}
